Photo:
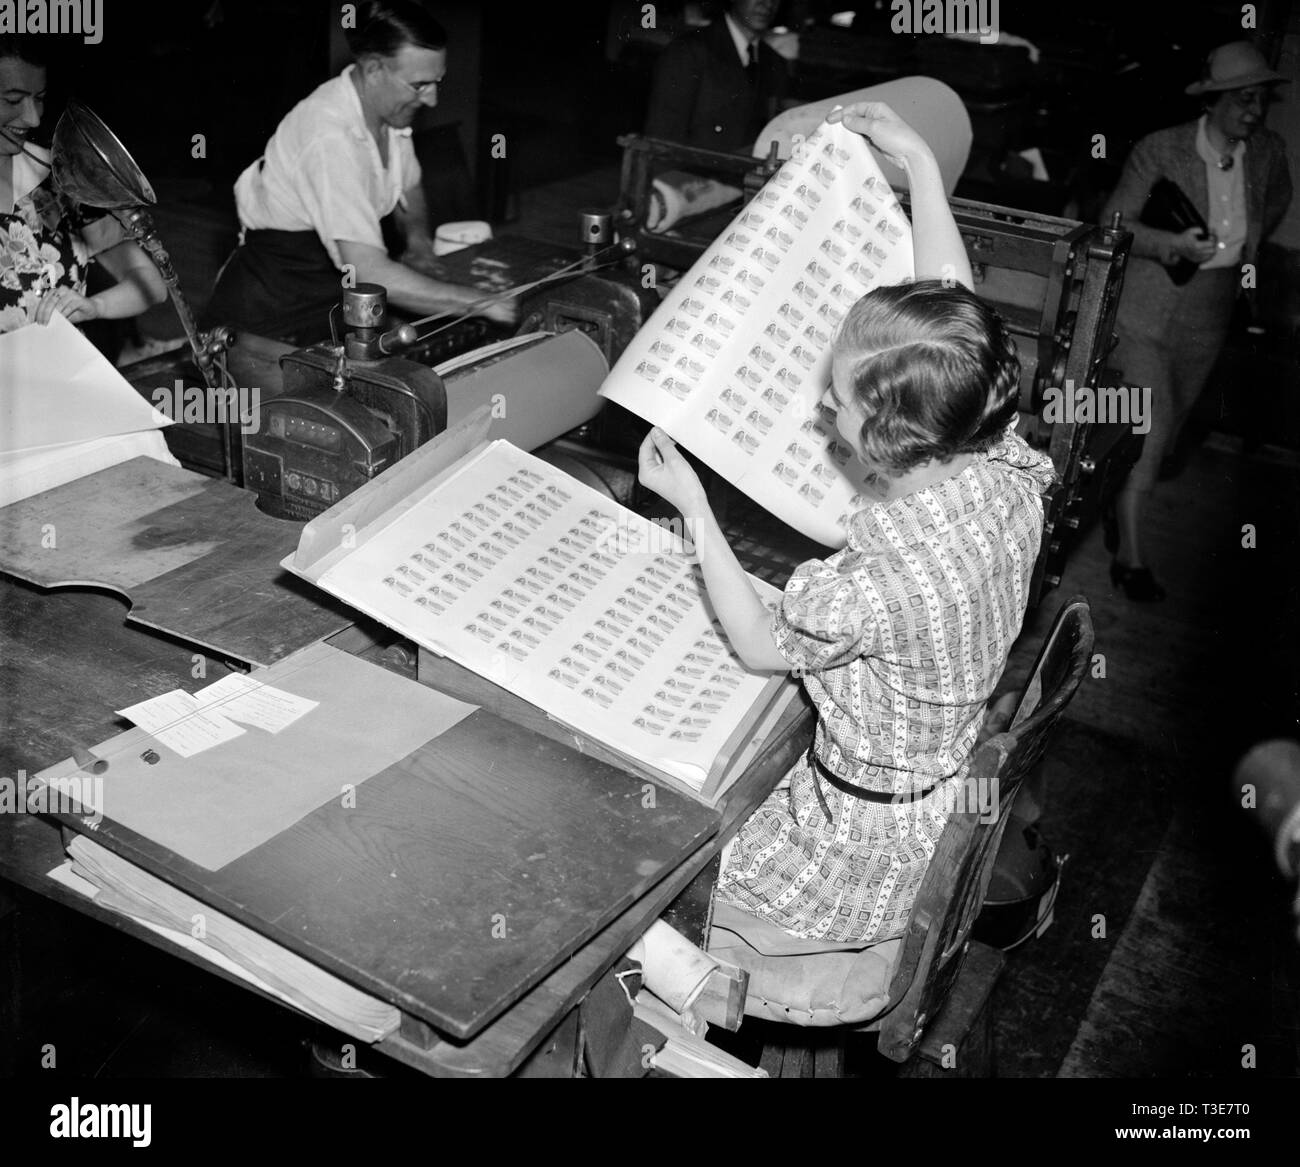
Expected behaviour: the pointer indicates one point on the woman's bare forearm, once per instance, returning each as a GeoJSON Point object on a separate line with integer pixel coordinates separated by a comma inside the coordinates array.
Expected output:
{"type": "Point", "coordinates": [138, 288]}
{"type": "Point", "coordinates": [743, 615]}
{"type": "Point", "coordinates": [937, 247]}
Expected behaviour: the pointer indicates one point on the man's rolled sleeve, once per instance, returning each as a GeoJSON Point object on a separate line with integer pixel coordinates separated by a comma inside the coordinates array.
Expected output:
{"type": "Point", "coordinates": [333, 192]}
{"type": "Point", "coordinates": [412, 174]}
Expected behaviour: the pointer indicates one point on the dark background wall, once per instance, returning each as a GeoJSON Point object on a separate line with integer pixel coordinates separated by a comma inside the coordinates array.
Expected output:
{"type": "Point", "coordinates": [563, 80]}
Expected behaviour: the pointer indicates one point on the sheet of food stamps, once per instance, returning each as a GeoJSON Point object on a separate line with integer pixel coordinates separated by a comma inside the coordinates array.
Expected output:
{"type": "Point", "coordinates": [735, 362]}
{"type": "Point", "coordinates": [557, 593]}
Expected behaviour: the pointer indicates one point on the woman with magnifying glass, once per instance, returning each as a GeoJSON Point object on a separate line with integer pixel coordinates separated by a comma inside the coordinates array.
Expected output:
{"type": "Point", "coordinates": [47, 244]}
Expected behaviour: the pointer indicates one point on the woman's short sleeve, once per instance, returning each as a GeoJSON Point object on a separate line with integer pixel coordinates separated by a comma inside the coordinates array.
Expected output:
{"type": "Point", "coordinates": [824, 619]}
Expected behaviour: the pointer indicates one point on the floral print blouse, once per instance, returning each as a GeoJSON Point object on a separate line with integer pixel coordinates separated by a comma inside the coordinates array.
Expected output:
{"type": "Point", "coordinates": [45, 242]}
{"type": "Point", "coordinates": [900, 639]}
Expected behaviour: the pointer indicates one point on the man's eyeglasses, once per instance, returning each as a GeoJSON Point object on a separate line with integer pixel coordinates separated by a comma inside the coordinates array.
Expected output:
{"type": "Point", "coordinates": [421, 89]}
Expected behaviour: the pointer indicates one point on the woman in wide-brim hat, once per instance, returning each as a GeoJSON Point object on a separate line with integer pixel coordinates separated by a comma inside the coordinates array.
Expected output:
{"type": "Point", "coordinates": [1234, 171]}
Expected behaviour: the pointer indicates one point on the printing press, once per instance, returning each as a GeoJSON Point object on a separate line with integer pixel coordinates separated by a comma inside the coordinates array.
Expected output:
{"type": "Point", "coordinates": [339, 412]}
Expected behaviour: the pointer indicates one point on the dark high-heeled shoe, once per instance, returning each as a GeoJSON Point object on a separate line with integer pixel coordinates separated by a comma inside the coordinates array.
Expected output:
{"type": "Point", "coordinates": [1138, 582]}
{"type": "Point", "coordinates": [1110, 525]}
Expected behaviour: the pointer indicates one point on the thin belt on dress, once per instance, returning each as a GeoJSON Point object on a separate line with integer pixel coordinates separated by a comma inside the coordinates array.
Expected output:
{"type": "Point", "coordinates": [820, 770]}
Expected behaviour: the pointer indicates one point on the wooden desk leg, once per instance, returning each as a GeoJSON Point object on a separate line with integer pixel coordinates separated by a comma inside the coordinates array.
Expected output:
{"type": "Point", "coordinates": [418, 1033]}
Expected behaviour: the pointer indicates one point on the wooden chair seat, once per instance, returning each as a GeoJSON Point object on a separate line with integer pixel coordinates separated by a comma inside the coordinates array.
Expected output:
{"type": "Point", "coordinates": [803, 982]}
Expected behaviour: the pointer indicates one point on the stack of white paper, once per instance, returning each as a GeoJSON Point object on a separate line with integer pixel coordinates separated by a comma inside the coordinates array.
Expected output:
{"type": "Point", "coordinates": [121, 886]}
{"type": "Point", "coordinates": [65, 412]}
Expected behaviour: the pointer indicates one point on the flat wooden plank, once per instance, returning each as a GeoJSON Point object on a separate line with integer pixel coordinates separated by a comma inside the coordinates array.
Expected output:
{"type": "Point", "coordinates": [66, 662]}
{"type": "Point", "coordinates": [829, 1055]}
{"type": "Point", "coordinates": [501, 1046]}
{"type": "Point", "coordinates": [193, 555]}
{"type": "Point", "coordinates": [116, 528]}
{"type": "Point", "coordinates": [257, 616]}
{"type": "Point", "coordinates": [772, 1059]}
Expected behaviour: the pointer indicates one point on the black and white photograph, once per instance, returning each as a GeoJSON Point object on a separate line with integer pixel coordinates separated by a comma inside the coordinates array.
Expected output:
{"type": "Point", "coordinates": [727, 539]}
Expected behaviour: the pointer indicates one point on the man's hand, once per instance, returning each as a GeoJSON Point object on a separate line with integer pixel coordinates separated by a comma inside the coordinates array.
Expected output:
{"type": "Point", "coordinates": [1193, 244]}
{"type": "Point", "coordinates": [502, 312]}
{"type": "Point", "coordinates": [664, 470]}
{"type": "Point", "coordinates": [892, 136]}
{"type": "Point", "coordinates": [75, 308]}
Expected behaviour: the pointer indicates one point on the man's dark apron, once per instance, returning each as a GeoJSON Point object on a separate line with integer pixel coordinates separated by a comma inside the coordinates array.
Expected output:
{"type": "Point", "coordinates": [278, 284]}
{"type": "Point", "coordinates": [282, 285]}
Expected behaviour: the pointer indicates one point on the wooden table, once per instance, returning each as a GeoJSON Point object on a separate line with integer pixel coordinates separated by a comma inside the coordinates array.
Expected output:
{"type": "Point", "coordinates": [69, 660]}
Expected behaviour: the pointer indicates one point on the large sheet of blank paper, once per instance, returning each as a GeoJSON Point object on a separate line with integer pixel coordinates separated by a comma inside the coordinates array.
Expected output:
{"type": "Point", "coordinates": [555, 592]}
{"type": "Point", "coordinates": [735, 363]}
{"type": "Point", "coordinates": [56, 388]}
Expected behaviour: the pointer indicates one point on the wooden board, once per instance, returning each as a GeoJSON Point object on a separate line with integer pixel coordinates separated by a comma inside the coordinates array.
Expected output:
{"type": "Point", "coordinates": [193, 555]}
{"type": "Point", "coordinates": [501, 1046]}
{"type": "Point", "coordinates": [66, 662]}
{"type": "Point", "coordinates": [463, 874]}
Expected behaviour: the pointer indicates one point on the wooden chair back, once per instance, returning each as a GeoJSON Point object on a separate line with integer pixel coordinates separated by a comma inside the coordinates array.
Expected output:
{"type": "Point", "coordinates": [955, 884]}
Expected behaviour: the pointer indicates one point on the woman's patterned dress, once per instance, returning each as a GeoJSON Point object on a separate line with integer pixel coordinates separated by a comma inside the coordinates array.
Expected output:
{"type": "Point", "coordinates": [900, 639]}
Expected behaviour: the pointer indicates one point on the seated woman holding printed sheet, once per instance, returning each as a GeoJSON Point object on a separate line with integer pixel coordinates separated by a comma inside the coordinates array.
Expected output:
{"type": "Point", "coordinates": [901, 637]}
{"type": "Point", "coordinates": [313, 207]}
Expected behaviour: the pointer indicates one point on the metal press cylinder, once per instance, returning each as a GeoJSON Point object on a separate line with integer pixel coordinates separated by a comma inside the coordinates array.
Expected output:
{"type": "Point", "coordinates": [365, 306]}
{"type": "Point", "coordinates": [597, 227]}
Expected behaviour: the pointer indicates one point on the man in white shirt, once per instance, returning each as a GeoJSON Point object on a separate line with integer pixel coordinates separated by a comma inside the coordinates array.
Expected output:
{"type": "Point", "coordinates": [311, 208]}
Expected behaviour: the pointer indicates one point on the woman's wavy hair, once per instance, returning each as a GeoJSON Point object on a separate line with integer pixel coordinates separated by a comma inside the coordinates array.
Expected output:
{"type": "Point", "coordinates": [934, 370]}
{"type": "Point", "coordinates": [384, 29]}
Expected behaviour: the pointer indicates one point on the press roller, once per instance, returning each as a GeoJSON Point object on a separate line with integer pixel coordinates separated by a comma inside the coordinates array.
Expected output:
{"type": "Point", "coordinates": [345, 413]}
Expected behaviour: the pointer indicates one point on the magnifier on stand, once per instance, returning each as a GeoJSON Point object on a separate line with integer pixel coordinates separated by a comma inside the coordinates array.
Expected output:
{"type": "Point", "coordinates": [93, 168]}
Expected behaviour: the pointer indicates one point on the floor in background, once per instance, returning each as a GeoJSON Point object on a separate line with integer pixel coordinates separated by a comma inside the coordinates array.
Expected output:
{"type": "Point", "coordinates": [551, 212]}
